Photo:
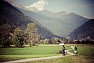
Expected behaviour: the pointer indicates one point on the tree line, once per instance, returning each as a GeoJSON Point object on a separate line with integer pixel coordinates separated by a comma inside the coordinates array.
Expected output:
{"type": "Point", "coordinates": [18, 36]}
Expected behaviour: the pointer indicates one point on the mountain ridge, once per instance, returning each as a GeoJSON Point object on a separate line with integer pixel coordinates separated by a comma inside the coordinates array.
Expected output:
{"type": "Point", "coordinates": [59, 25]}
{"type": "Point", "coordinates": [15, 18]}
{"type": "Point", "coordinates": [84, 31]}
{"type": "Point", "coordinates": [11, 18]}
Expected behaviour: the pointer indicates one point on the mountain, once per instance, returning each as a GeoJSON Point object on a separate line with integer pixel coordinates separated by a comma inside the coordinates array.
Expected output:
{"type": "Point", "coordinates": [60, 24]}
{"type": "Point", "coordinates": [44, 32]}
{"type": "Point", "coordinates": [17, 5]}
{"type": "Point", "coordinates": [10, 17]}
{"type": "Point", "coordinates": [84, 31]}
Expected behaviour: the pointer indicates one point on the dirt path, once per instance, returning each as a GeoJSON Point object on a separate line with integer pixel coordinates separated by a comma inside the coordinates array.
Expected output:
{"type": "Point", "coordinates": [34, 59]}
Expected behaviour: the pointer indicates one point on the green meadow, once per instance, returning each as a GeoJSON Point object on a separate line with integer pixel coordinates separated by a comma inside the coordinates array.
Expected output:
{"type": "Point", "coordinates": [85, 53]}
{"type": "Point", "coordinates": [29, 52]}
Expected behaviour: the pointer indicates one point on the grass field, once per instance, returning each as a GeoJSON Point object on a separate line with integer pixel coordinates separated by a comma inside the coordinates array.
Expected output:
{"type": "Point", "coordinates": [29, 52]}
{"type": "Point", "coordinates": [85, 53]}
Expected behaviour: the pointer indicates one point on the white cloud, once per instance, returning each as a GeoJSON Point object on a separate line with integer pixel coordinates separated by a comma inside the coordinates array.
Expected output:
{"type": "Point", "coordinates": [39, 5]}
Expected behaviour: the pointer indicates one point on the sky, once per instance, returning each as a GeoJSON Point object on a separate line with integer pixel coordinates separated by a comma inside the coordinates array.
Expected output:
{"type": "Point", "coordinates": [82, 7]}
